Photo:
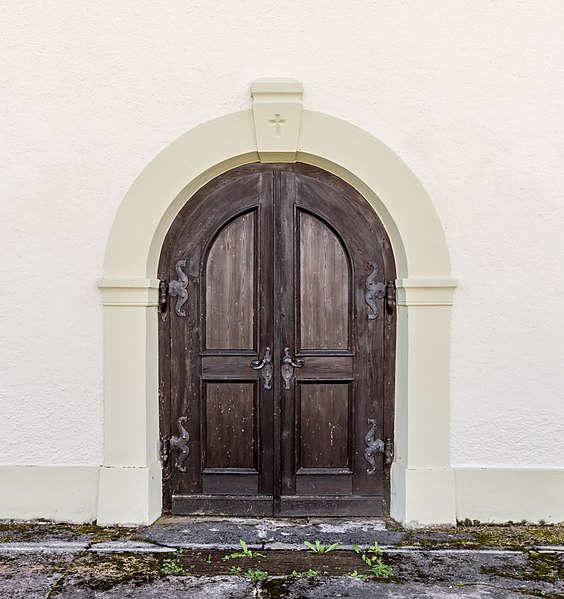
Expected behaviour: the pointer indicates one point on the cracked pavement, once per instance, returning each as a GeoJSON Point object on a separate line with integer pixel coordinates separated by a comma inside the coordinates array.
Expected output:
{"type": "Point", "coordinates": [46, 560]}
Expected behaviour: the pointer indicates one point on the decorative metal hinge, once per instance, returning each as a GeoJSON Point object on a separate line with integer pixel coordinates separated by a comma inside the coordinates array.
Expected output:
{"type": "Point", "coordinates": [179, 444]}
{"type": "Point", "coordinates": [163, 299]}
{"type": "Point", "coordinates": [374, 290]}
{"type": "Point", "coordinates": [377, 290]}
{"type": "Point", "coordinates": [165, 450]}
{"type": "Point", "coordinates": [390, 301]}
{"type": "Point", "coordinates": [375, 446]}
{"type": "Point", "coordinates": [177, 288]}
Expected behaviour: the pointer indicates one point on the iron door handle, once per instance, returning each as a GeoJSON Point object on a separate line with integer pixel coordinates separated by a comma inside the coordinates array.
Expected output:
{"type": "Point", "coordinates": [266, 366]}
{"type": "Point", "coordinates": [287, 368]}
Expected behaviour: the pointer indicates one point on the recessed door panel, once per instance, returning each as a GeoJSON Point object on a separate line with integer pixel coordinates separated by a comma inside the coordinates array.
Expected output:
{"type": "Point", "coordinates": [324, 286]}
{"type": "Point", "coordinates": [230, 422]}
{"type": "Point", "coordinates": [323, 426]}
{"type": "Point", "coordinates": [231, 286]}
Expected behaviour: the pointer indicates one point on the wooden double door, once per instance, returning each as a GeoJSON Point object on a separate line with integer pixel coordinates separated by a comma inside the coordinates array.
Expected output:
{"type": "Point", "coordinates": [277, 335]}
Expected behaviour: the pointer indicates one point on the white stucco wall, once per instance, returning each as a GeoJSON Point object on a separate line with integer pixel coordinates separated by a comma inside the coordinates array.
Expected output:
{"type": "Point", "coordinates": [469, 94]}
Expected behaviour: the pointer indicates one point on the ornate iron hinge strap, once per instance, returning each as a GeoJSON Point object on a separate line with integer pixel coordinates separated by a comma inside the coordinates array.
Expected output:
{"type": "Point", "coordinates": [375, 446]}
{"type": "Point", "coordinates": [390, 301]}
{"type": "Point", "coordinates": [178, 288]}
{"type": "Point", "coordinates": [266, 366]}
{"type": "Point", "coordinates": [287, 367]}
{"type": "Point", "coordinates": [180, 444]}
{"type": "Point", "coordinates": [163, 299]}
{"type": "Point", "coordinates": [165, 450]}
{"type": "Point", "coordinates": [374, 290]}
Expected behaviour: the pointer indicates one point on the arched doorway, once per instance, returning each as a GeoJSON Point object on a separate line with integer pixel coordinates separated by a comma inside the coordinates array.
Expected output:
{"type": "Point", "coordinates": [277, 348]}
{"type": "Point", "coordinates": [422, 479]}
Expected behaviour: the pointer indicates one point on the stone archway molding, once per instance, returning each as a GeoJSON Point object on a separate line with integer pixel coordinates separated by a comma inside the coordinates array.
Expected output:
{"type": "Point", "coordinates": [276, 128]}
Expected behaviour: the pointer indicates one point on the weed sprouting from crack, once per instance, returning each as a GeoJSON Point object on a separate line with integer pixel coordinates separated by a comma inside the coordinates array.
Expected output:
{"type": "Point", "coordinates": [318, 547]}
{"type": "Point", "coordinates": [372, 557]}
{"type": "Point", "coordinates": [245, 552]}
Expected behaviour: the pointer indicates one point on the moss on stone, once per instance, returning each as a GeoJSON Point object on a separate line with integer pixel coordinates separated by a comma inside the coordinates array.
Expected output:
{"type": "Point", "coordinates": [540, 567]}
{"type": "Point", "coordinates": [518, 536]}
{"type": "Point", "coordinates": [12, 531]}
{"type": "Point", "coordinates": [276, 588]}
{"type": "Point", "coordinates": [104, 571]}
{"type": "Point", "coordinates": [545, 567]}
{"type": "Point", "coordinates": [475, 536]}
{"type": "Point", "coordinates": [99, 534]}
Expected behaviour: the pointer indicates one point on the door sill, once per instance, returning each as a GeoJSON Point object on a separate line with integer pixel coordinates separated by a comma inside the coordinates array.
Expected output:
{"type": "Point", "coordinates": [223, 505]}
{"type": "Point", "coordinates": [262, 506]}
{"type": "Point", "coordinates": [335, 506]}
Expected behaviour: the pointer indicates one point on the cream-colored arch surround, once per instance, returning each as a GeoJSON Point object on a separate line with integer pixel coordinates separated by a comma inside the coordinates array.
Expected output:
{"type": "Point", "coordinates": [422, 478]}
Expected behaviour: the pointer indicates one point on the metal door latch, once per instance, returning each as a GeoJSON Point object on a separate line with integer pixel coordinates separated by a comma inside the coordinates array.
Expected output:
{"type": "Point", "coordinates": [266, 366]}
{"type": "Point", "coordinates": [287, 367]}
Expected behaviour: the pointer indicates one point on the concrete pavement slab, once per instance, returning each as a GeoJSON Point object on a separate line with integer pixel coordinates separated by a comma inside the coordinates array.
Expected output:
{"type": "Point", "coordinates": [50, 561]}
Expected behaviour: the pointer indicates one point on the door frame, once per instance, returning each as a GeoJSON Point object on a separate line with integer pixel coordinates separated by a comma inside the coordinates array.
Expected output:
{"type": "Point", "coordinates": [277, 128]}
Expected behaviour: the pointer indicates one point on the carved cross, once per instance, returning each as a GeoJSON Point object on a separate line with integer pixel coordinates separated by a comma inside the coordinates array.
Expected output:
{"type": "Point", "coordinates": [277, 122]}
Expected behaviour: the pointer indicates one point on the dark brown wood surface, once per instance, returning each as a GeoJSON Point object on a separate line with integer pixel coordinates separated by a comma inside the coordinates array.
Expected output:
{"type": "Point", "coordinates": [277, 256]}
{"type": "Point", "coordinates": [230, 286]}
{"type": "Point", "coordinates": [324, 284]}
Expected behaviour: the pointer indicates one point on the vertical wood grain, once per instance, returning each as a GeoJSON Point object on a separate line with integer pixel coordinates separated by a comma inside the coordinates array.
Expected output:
{"type": "Point", "coordinates": [324, 287]}
{"type": "Point", "coordinates": [323, 425]}
{"type": "Point", "coordinates": [230, 425]}
{"type": "Point", "coordinates": [230, 286]}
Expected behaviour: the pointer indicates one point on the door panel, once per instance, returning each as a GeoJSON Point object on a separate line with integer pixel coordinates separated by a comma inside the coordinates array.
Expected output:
{"type": "Point", "coordinates": [230, 286]}
{"type": "Point", "coordinates": [324, 287]}
{"type": "Point", "coordinates": [324, 439]}
{"type": "Point", "coordinates": [278, 366]}
{"type": "Point", "coordinates": [231, 435]}
{"type": "Point", "coordinates": [323, 426]}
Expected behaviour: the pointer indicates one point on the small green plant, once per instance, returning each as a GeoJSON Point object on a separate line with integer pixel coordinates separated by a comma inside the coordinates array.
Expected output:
{"type": "Point", "coordinates": [257, 575]}
{"type": "Point", "coordinates": [308, 573]}
{"type": "Point", "coordinates": [320, 548]}
{"type": "Point", "coordinates": [245, 552]}
{"type": "Point", "coordinates": [356, 574]}
{"type": "Point", "coordinates": [172, 567]}
{"type": "Point", "coordinates": [235, 570]}
{"type": "Point", "coordinates": [372, 557]}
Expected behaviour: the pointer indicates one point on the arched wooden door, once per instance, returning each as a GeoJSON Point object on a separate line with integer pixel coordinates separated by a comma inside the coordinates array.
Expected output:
{"type": "Point", "coordinates": [277, 341]}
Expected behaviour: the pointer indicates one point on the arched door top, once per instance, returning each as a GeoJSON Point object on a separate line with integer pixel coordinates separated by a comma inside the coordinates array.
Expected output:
{"type": "Point", "coordinates": [330, 143]}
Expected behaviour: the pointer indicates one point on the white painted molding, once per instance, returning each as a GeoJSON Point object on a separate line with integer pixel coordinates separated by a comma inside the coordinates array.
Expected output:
{"type": "Point", "coordinates": [425, 292]}
{"type": "Point", "coordinates": [277, 111]}
{"type": "Point", "coordinates": [59, 493]}
{"type": "Point", "coordinates": [131, 495]}
{"type": "Point", "coordinates": [129, 292]}
{"type": "Point", "coordinates": [429, 498]}
{"type": "Point", "coordinates": [504, 494]}
{"type": "Point", "coordinates": [128, 283]}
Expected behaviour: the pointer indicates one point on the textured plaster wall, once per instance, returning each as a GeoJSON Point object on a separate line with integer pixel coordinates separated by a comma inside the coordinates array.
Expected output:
{"type": "Point", "coordinates": [469, 94]}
